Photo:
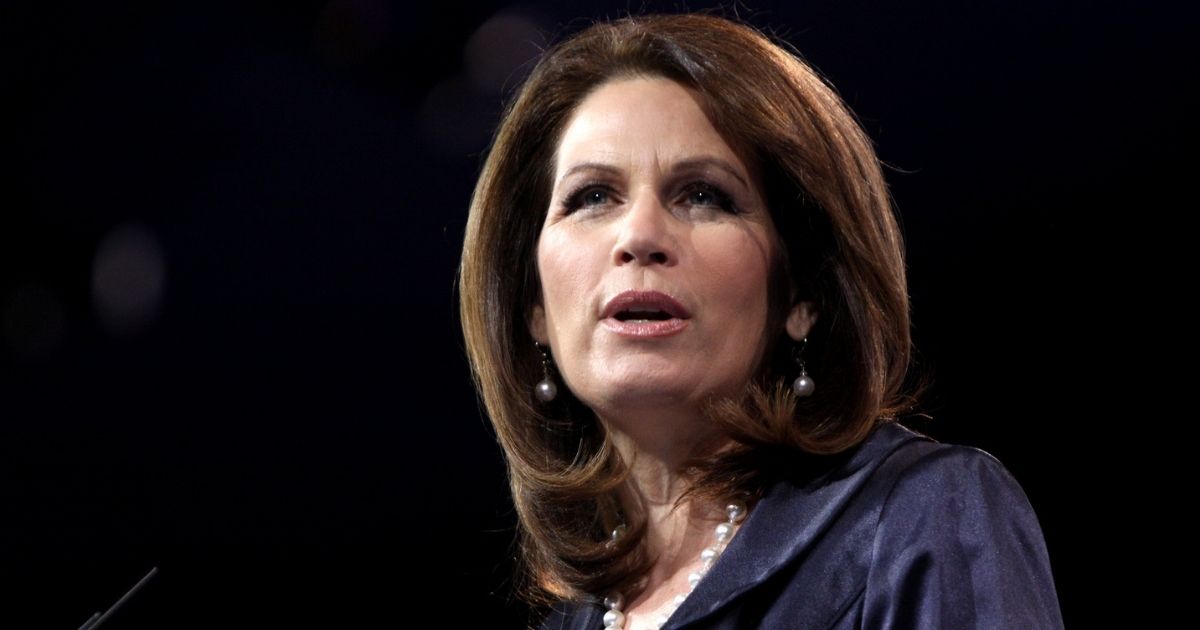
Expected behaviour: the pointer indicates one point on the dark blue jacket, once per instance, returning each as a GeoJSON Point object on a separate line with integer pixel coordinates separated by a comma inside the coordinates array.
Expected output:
{"type": "Point", "coordinates": [900, 532]}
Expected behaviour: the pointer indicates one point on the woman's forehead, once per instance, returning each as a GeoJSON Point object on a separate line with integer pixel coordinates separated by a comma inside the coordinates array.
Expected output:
{"type": "Point", "coordinates": [641, 123]}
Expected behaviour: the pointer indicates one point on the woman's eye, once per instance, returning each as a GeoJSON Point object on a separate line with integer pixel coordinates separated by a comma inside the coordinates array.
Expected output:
{"type": "Point", "coordinates": [702, 197]}
{"type": "Point", "coordinates": [587, 196]}
{"type": "Point", "coordinates": [699, 194]}
{"type": "Point", "coordinates": [702, 194]}
{"type": "Point", "coordinates": [594, 196]}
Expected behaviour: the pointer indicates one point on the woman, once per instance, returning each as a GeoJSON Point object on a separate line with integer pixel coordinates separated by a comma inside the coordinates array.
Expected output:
{"type": "Point", "coordinates": [684, 302]}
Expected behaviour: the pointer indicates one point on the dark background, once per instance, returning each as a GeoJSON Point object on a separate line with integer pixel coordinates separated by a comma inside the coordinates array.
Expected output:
{"type": "Point", "coordinates": [228, 239]}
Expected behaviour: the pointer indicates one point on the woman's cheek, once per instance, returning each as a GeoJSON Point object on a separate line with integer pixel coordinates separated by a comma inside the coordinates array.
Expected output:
{"type": "Point", "coordinates": [734, 267]}
{"type": "Point", "coordinates": [568, 274]}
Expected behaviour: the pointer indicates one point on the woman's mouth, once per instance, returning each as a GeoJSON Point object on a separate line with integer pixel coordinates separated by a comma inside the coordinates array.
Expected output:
{"type": "Point", "coordinates": [641, 314]}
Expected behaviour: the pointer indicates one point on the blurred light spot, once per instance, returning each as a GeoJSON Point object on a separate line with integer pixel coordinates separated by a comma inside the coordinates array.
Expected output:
{"type": "Point", "coordinates": [457, 118]}
{"type": "Point", "coordinates": [500, 52]}
{"type": "Point", "coordinates": [349, 31]}
{"type": "Point", "coordinates": [32, 320]}
{"type": "Point", "coordinates": [128, 278]}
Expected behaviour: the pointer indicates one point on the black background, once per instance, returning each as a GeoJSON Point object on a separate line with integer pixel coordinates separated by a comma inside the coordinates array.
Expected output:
{"type": "Point", "coordinates": [288, 429]}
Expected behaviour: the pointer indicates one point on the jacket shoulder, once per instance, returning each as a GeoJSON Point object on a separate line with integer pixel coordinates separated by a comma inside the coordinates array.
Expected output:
{"type": "Point", "coordinates": [958, 545]}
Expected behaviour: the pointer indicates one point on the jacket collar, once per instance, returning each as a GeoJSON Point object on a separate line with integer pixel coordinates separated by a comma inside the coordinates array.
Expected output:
{"type": "Point", "coordinates": [793, 514]}
{"type": "Point", "coordinates": [787, 520]}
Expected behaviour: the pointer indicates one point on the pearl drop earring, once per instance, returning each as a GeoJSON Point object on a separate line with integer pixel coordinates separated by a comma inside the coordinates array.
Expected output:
{"type": "Point", "coordinates": [545, 390]}
{"type": "Point", "coordinates": [803, 385]}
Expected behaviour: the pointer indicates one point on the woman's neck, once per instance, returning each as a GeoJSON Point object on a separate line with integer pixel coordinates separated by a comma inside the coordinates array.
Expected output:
{"type": "Point", "coordinates": [655, 447]}
{"type": "Point", "coordinates": [674, 537]}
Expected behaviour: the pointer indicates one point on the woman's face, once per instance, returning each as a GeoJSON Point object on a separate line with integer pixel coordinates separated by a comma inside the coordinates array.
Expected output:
{"type": "Point", "coordinates": [654, 256]}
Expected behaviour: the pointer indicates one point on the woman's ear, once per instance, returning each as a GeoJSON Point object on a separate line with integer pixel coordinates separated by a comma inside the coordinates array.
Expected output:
{"type": "Point", "coordinates": [801, 319]}
{"type": "Point", "coordinates": [537, 324]}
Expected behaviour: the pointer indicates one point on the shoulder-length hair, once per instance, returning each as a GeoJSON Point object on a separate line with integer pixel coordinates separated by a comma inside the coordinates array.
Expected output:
{"type": "Point", "coordinates": [841, 248]}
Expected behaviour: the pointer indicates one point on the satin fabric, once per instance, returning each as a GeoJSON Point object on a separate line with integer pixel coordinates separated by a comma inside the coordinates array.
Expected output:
{"type": "Point", "coordinates": [900, 532]}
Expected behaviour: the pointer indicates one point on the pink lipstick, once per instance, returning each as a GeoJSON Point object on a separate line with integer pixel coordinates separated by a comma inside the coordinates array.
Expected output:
{"type": "Point", "coordinates": [642, 314]}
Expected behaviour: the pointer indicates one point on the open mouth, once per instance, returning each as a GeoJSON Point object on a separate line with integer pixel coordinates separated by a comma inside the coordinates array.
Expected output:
{"type": "Point", "coordinates": [645, 315]}
{"type": "Point", "coordinates": [635, 315]}
{"type": "Point", "coordinates": [642, 308]}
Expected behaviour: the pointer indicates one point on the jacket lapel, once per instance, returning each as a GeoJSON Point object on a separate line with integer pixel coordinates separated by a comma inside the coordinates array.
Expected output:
{"type": "Point", "coordinates": [790, 521]}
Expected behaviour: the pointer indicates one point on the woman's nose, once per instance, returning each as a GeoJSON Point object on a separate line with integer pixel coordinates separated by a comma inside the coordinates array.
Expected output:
{"type": "Point", "coordinates": [645, 234]}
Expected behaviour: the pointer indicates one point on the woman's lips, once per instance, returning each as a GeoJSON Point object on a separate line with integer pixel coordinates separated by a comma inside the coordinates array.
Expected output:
{"type": "Point", "coordinates": [644, 300]}
{"type": "Point", "coordinates": [642, 328]}
{"type": "Point", "coordinates": [644, 313]}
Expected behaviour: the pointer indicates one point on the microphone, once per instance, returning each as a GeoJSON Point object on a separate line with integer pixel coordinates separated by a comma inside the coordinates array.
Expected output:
{"type": "Point", "coordinates": [97, 619]}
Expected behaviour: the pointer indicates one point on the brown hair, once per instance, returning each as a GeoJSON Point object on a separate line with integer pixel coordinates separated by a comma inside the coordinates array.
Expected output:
{"type": "Point", "coordinates": [842, 249]}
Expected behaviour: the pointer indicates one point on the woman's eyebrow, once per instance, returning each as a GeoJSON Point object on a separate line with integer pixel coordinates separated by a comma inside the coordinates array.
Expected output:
{"type": "Point", "coordinates": [700, 162]}
{"type": "Point", "coordinates": [688, 164]}
{"type": "Point", "coordinates": [590, 166]}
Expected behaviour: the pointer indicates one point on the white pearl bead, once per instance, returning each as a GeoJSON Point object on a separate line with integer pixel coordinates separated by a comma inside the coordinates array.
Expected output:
{"type": "Point", "coordinates": [679, 599]}
{"type": "Point", "coordinates": [709, 555]}
{"type": "Point", "coordinates": [616, 600]}
{"type": "Point", "coordinates": [614, 619]}
{"type": "Point", "coordinates": [803, 386]}
{"type": "Point", "coordinates": [694, 578]}
{"type": "Point", "coordinates": [723, 531]}
{"type": "Point", "coordinates": [735, 511]}
{"type": "Point", "coordinates": [546, 391]}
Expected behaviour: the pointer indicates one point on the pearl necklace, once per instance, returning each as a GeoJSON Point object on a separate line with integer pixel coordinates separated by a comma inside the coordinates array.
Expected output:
{"type": "Point", "coordinates": [735, 511]}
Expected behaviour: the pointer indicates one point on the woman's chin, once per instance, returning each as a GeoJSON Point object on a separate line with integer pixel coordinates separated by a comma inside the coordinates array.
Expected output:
{"type": "Point", "coordinates": [631, 394]}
